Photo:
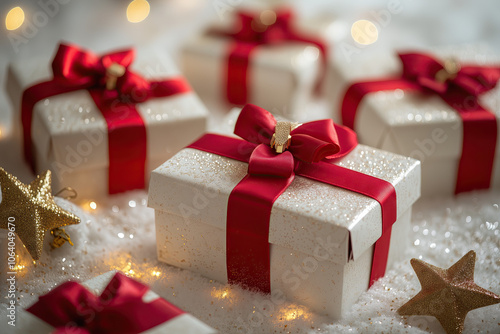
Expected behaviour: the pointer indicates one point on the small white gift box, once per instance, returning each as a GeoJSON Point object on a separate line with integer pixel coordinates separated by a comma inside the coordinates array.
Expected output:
{"type": "Point", "coordinates": [422, 126]}
{"type": "Point", "coordinates": [27, 323]}
{"type": "Point", "coordinates": [70, 135]}
{"type": "Point", "coordinates": [281, 77]}
{"type": "Point", "coordinates": [321, 237]}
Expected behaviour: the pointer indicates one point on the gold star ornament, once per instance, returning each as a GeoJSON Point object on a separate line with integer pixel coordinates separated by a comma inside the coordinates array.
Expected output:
{"type": "Point", "coordinates": [31, 210]}
{"type": "Point", "coordinates": [448, 294]}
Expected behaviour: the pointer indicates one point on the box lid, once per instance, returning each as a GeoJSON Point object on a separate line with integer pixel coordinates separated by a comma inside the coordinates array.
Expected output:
{"type": "Point", "coordinates": [70, 128]}
{"type": "Point", "coordinates": [196, 186]}
{"type": "Point", "coordinates": [409, 120]}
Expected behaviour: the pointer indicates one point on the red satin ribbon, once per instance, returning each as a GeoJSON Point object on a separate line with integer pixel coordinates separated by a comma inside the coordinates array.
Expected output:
{"type": "Point", "coordinates": [250, 33]}
{"type": "Point", "coordinates": [74, 69]}
{"type": "Point", "coordinates": [314, 146]}
{"type": "Point", "coordinates": [71, 308]}
{"type": "Point", "coordinates": [461, 93]}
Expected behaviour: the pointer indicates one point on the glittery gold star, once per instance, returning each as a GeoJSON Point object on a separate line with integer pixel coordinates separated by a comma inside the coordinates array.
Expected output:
{"type": "Point", "coordinates": [448, 294]}
{"type": "Point", "coordinates": [33, 210]}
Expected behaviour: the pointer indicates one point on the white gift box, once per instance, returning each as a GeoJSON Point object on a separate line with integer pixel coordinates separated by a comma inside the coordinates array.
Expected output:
{"type": "Point", "coordinates": [281, 78]}
{"type": "Point", "coordinates": [408, 123]}
{"type": "Point", "coordinates": [69, 133]}
{"type": "Point", "coordinates": [321, 236]}
{"type": "Point", "coordinates": [28, 323]}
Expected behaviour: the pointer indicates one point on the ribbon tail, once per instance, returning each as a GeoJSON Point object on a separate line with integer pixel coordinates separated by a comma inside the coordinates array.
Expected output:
{"type": "Point", "coordinates": [247, 240]}
{"type": "Point", "coordinates": [127, 144]}
{"type": "Point", "coordinates": [480, 129]}
{"type": "Point", "coordinates": [380, 256]}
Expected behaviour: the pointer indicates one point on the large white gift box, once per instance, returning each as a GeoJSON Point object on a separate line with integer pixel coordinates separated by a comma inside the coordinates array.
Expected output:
{"type": "Point", "coordinates": [70, 135]}
{"type": "Point", "coordinates": [27, 323]}
{"type": "Point", "coordinates": [321, 237]}
{"type": "Point", "coordinates": [421, 126]}
{"type": "Point", "coordinates": [281, 77]}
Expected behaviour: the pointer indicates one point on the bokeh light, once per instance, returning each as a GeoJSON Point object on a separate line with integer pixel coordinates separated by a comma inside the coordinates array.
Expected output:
{"type": "Point", "coordinates": [15, 18]}
{"type": "Point", "coordinates": [364, 32]}
{"type": "Point", "coordinates": [137, 11]}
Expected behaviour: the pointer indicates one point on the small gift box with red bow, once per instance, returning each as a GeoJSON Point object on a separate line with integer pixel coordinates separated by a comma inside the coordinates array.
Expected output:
{"type": "Point", "coordinates": [299, 210]}
{"type": "Point", "coordinates": [101, 123]}
{"type": "Point", "coordinates": [109, 303]}
{"type": "Point", "coordinates": [268, 57]}
{"type": "Point", "coordinates": [440, 107]}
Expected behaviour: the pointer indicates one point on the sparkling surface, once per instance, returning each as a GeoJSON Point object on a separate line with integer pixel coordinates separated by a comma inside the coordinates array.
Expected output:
{"type": "Point", "coordinates": [453, 226]}
{"type": "Point", "coordinates": [456, 25]}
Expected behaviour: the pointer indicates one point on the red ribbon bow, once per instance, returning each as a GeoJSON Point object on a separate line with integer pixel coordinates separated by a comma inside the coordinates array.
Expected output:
{"type": "Point", "coordinates": [253, 30]}
{"type": "Point", "coordinates": [311, 142]}
{"type": "Point", "coordinates": [314, 146]}
{"type": "Point", "coordinates": [71, 308]}
{"type": "Point", "coordinates": [74, 69]}
{"type": "Point", "coordinates": [250, 32]}
{"type": "Point", "coordinates": [460, 89]}
{"type": "Point", "coordinates": [425, 70]}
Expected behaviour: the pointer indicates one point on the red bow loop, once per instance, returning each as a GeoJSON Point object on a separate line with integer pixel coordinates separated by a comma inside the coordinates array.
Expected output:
{"type": "Point", "coordinates": [255, 124]}
{"type": "Point", "coordinates": [478, 79]}
{"type": "Point", "coordinates": [257, 28]}
{"type": "Point", "coordinates": [315, 141]}
{"type": "Point", "coordinates": [83, 69]}
{"type": "Point", "coordinates": [425, 70]}
{"type": "Point", "coordinates": [71, 308]}
{"type": "Point", "coordinates": [74, 305]}
{"type": "Point", "coordinates": [131, 87]}
{"type": "Point", "coordinates": [311, 142]}
{"type": "Point", "coordinates": [123, 57]}
{"type": "Point", "coordinates": [76, 67]}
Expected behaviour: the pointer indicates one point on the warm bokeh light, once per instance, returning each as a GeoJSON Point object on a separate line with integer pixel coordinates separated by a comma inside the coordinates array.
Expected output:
{"type": "Point", "coordinates": [14, 18]}
{"type": "Point", "coordinates": [292, 313]}
{"type": "Point", "coordinates": [93, 205]}
{"type": "Point", "coordinates": [364, 32]}
{"type": "Point", "coordinates": [155, 273]}
{"type": "Point", "coordinates": [126, 269]}
{"type": "Point", "coordinates": [137, 11]}
{"type": "Point", "coordinates": [19, 267]}
{"type": "Point", "coordinates": [221, 293]}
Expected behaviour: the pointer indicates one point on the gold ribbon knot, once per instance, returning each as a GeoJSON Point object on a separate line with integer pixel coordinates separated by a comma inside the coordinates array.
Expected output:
{"type": "Point", "coordinates": [281, 138]}
{"type": "Point", "coordinates": [113, 72]}
{"type": "Point", "coordinates": [450, 69]}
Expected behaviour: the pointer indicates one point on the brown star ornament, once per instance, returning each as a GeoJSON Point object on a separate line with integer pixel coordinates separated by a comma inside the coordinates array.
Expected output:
{"type": "Point", "coordinates": [32, 209]}
{"type": "Point", "coordinates": [448, 294]}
